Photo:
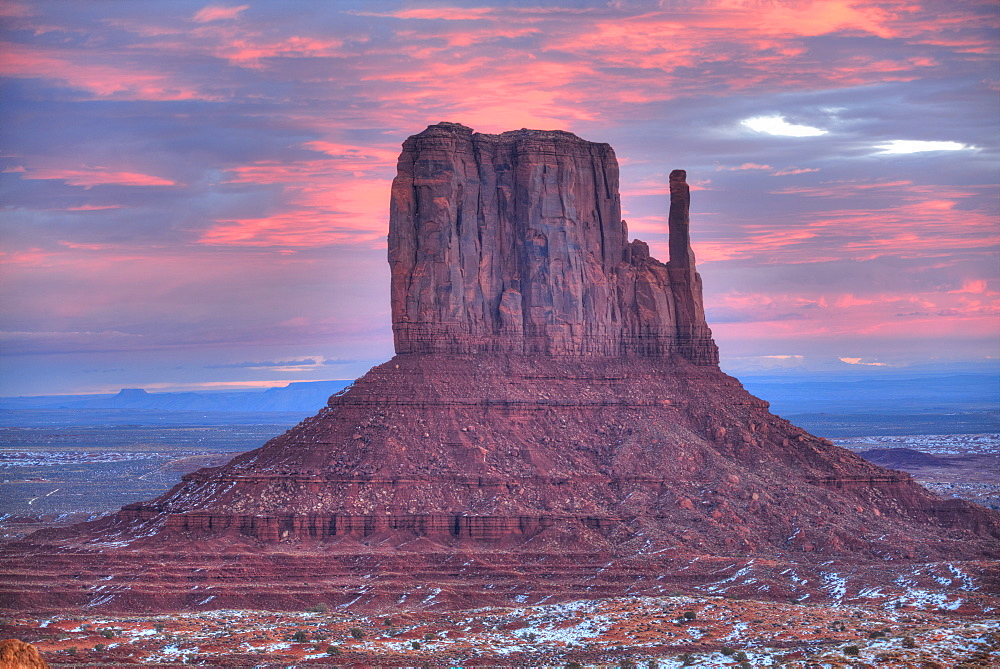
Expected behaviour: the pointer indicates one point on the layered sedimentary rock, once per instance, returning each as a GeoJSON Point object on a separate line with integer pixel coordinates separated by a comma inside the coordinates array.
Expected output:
{"type": "Point", "coordinates": [554, 425]}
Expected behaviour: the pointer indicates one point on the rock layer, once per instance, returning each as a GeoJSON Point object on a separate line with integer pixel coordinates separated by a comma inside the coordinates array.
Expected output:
{"type": "Point", "coordinates": [553, 426]}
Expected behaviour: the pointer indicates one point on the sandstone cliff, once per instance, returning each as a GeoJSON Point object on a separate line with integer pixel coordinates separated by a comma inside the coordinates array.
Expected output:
{"type": "Point", "coordinates": [514, 243]}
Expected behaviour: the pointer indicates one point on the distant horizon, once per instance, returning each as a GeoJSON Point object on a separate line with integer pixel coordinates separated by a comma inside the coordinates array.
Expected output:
{"type": "Point", "coordinates": [846, 374]}
{"type": "Point", "coordinates": [196, 194]}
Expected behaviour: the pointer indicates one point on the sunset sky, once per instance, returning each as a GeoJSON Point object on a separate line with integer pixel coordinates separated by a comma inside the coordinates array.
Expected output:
{"type": "Point", "coordinates": [195, 196]}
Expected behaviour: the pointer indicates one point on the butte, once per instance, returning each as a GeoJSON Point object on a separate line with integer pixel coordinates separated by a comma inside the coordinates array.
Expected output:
{"type": "Point", "coordinates": [554, 426]}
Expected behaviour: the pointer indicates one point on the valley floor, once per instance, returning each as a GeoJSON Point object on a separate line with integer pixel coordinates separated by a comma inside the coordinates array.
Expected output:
{"type": "Point", "coordinates": [638, 631]}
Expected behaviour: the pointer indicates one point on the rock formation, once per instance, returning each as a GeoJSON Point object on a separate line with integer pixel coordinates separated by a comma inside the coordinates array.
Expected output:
{"type": "Point", "coordinates": [514, 244]}
{"type": "Point", "coordinates": [16, 654]}
{"type": "Point", "coordinates": [554, 425]}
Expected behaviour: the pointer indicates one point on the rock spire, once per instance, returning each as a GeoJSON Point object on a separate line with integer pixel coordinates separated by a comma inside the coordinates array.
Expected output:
{"type": "Point", "coordinates": [514, 243]}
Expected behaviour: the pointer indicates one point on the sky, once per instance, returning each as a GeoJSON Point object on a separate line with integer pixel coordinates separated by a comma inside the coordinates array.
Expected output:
{"type": "Point", "coordinates": [195, 195]}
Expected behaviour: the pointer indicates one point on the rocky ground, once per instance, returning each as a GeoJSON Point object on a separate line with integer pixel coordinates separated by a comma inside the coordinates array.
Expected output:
{"type": "Point", "coordinates": [645, 631]}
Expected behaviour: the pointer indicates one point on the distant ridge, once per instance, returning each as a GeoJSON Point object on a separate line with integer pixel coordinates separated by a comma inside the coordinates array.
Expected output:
{"type": "Point", "coordinates": [300, 396]}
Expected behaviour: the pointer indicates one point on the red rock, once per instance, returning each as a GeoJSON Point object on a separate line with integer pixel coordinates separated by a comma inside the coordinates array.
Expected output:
{"type": "Point", "coordinates": [514, 243]}
{"type": "Point", "coordinates": [554, 424]}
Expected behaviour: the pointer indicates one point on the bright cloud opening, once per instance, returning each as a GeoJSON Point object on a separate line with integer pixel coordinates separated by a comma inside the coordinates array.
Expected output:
{"type": "Point", "coordinates": [917, 146]}
{"type": "Point", "coordinates": [776, 125]}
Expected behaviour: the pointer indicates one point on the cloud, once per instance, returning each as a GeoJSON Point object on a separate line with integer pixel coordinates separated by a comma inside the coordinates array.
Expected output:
{"type": "Point", "coordinates": [98, 176]}
{"type": "Point", "coordinates": [788, 171]}
{"type": "Point", "coordinates": [974, 287]}
{"type": "Point", "coordinates": [919, 146]}
{"type": "Point", "coordinates": [776, 125]}
{"type": "Point", "coordinates": [305, 362]}
{"type": "Point", "coordinates": [747, 166]}
{"type": "Point", "coordinates": [218, 13]}
{"type": "Point", "coordinates": [857, 361]}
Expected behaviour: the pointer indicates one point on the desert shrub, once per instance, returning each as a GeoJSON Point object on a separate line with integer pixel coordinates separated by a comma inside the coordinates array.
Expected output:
{"type": "Point", "coordinates": [415, 645]}
{"type": "Point", "coordinates": [71, 650]}
{"type": "Point", "coordinates": [689, 615]}
{"type": "Point", "coordinates": [99, 648]}
{"type": "Point", "coordinates": [652, 664]}
{"type": "Point", "coordinates": [852, 651]}
{"type": "Point", "coordinates": [626, 664]}
{"type": "Point", "coordinates": [159, 627]}
{"type": "Point", "coordinates": [573, 665]}
{"type": "Point", "coordinates": [687, 659]}
{"type": "Point", "coordinates": [745, 665]}
{"type": "Point", "coordinates": [357, 633]}
{"type": "Point", "coordinates": [430, 636]}
{"type": "Point", "coordinates": [332, 650]}
{"type": "Point", "coordinates": [909, 642]}
{"type": "Point", "coordinates": [108, 634]}
{"type": "Point", "coordinates": [727, 651]}
{"type": "Point", "coordinates": [876, 634]}
{"type": "Point", "coordinates": [740, 656]}
{"type": "Point", "coordinates": [300, 637]}
{"type": "Point", "coordinates": [322, 607]}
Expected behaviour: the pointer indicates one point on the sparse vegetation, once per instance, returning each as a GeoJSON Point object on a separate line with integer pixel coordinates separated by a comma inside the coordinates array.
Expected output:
{"type": "Point", "coordinates": [415, 645]}
{"type": "Point", "coordinates": [909, 642]}
{"type": "Point", "coordinates": [357, 633]}
{"type": "Point", "coordinates": [852, 651]}
{"type": "Point", "coordinates": [99, 648]}
{"type": "Point", "coordinates": [322, 607]}
{"type": "Point", "coordinates": [333, 650]}
{"type": "Point", "coordinates": [689, 615]}
{"type": "Point", "coordinates": [300, 637]}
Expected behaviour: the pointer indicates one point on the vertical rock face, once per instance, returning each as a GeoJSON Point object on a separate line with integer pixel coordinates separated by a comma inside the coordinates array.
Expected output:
{"type": "Point", "coordinates": [514, 243]}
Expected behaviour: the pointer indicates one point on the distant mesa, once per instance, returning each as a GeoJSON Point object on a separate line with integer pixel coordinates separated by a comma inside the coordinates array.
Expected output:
{"type": "Point", "coordinates": [904, 458]}
{"type": "Point", "coordinates": [554, 425]}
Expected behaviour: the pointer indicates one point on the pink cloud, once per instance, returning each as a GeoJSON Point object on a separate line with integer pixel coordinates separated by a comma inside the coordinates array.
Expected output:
{"type": "Point", "coordinates": [443, 13]}
{"type": "Point", "coordinates": [218, 13]}
{"type": "Point", "coordinates": [98, 176]}
{"type": "Point", "coordinates": [788, 171]}
{"type": "Point", "coordinates": [77, 68]}
{"type": "Point", "coordinates": [746, 166]}
{"type": "Point", "coordinates": [975, 287]}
